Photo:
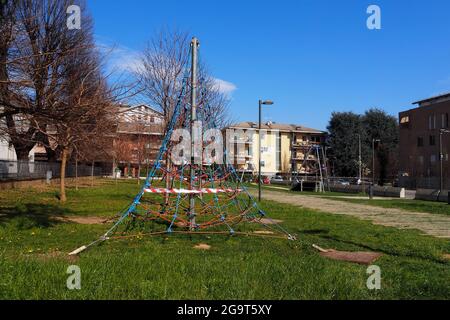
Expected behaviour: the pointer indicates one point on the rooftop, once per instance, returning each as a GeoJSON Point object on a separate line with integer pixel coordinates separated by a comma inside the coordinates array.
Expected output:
{"type": "Point", "coordinates": [276, 126]}
{"type": "Point", "coordinates": [139, 107]}
{"type": "Point", "coordinates": [438, 98]}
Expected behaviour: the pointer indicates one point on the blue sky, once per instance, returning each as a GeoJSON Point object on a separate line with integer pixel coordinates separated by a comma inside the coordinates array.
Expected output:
{"type": "Point", "coordinates": [312, 57]}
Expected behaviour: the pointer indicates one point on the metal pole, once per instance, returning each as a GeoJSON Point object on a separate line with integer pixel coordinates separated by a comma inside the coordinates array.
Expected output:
{"type": "Point", "coordinates": [259, 153]}
{"type": "Point", "coordinates": [373, 161]}
{"type": "Point", "coordinates": [360, 159]}
{"type": "Point", "coordinates": [320, 170]}
{"type": "Point", "coordinates": [441, 169]}
{"type": "Point", "coordinates": [194, 45]}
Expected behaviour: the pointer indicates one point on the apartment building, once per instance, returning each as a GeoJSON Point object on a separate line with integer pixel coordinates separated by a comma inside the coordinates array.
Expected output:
{"type": "Point", "coordinates": [283, 147]}
{"type": "Point", "coordinates": [138, 138]}
{"type": "Point", "coordinates": [421, 131]}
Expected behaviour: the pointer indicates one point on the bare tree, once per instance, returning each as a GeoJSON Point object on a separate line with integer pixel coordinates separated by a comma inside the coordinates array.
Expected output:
{"type": "Point", "coordinates": [56, 93]}
{"type": "Point", "coordinates": [39, 45]}
{"type": "Point", "coordinates": [164, 63]}
{"type": "Point", "coordinates": [84, 115]}
{"type": "Point", "coordinates": [12, 128]}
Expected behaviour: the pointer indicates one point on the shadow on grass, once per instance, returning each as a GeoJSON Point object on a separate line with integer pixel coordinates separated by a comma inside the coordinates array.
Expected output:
{"type": "Point", "coordinates": [28, 216]}
{"type": "Point", "coordinates": [314, 231]}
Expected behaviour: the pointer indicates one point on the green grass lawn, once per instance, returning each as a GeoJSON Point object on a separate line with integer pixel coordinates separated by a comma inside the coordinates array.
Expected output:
{"type": "Point", "coordinates": [280, 188]}
{"type": "Point", "coordinates": [33, 259]}
{"type": "Point", "coordinates": [406, 204]}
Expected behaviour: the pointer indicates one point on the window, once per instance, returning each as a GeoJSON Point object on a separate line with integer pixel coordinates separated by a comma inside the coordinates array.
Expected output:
{"type": "Point", "coordinates": [278, 152]}
{"type": "Point", "coordinates": [421, 160]}
{"type": "Point", "coordinates": [420, 142]}
{"type": "Point", "coordinates": [432, 122]}
{"type": "Point", "coordinates": [444, 120]}
{"type": "Point", "coordinates": [433, 158]}
{"type": "Point", "coordinates": [404, 120]}
{"type": "Point", "coordinates": [432, 140]}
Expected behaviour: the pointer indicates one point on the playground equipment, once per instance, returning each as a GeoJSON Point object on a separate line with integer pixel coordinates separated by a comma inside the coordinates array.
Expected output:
{"type": "Point", "coordinates": [315, 163]}
{"type": "Point", "coordinates": [204, 198]}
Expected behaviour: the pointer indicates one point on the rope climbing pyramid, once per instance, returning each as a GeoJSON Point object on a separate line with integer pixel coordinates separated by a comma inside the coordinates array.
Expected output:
{"type": "Point", "coordinates": [189, 196]}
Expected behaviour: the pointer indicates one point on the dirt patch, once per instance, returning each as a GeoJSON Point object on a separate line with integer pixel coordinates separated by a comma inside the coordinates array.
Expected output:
{"type": "Point", "coordinates": [263, 232]}
{"type": "Point", "coordinates": [202, 246]}
{"type": "Point", "coordinates": [84, 220]}
{"type": "Point", "coordinates": [271, 221]}
{"type": "Point", "coordinates": [52, 256]}
{"type": "Point", "coordinates": [366, 258]}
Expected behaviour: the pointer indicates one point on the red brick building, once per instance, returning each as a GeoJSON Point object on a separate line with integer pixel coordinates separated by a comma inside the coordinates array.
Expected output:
{"type": "Point", "coordinates": [420, 131]}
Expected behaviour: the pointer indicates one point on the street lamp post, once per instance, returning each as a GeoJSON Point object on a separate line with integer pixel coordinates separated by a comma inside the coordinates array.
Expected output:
{"type": "Point", "coordinates": [441, 160]}
{"type": "Point", "coordinates": [359, 159]}
{"type": "Point", "coordinates": [373, 159]}
{"type": "Point", "coordinates": [261, 103]}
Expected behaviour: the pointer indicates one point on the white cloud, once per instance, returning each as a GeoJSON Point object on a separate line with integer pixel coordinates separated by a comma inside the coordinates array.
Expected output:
{"type": "Point", "coordinates": [125, 60]}
{"type": "Point", "coordinates": [225, 87]}
{"type": "Point", "coordinates": [120, 58]}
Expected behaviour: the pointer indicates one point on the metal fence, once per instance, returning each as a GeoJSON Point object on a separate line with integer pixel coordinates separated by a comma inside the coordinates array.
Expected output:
{"type": "Point", "coordinates": [26, 170]}
{"type": "Point", "coordinates": [423, 182]}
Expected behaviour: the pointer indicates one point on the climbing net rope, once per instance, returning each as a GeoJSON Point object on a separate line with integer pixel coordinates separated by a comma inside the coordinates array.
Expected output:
{"type": "Point", "coordinates": [173, 193]}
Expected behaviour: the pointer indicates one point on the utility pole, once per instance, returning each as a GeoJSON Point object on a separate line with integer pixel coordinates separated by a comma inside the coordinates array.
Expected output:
{"type": "Point", "coordinates": [194, 47]}
{"type": "Point", "coordinates": [259, 151]}
{"type": "Point", "coordinates": [360, 159]}
{"type": "Point", "coordinates": [441, 160]}
{"type": "Point", "coordinates": [373, 159]}
{"type": "Point", "coordinates": [261, 103]}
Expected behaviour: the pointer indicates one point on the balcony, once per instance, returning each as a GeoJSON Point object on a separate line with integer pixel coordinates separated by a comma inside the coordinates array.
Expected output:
{"type": "Point", "coordinates": [303, 144]}
{"type": "Point", "coordinates": [302, 158]}
{"type": "Point", "coordinates": [244, 155]}
{"type": "Point", "coordinates": [243, 141]}
{"type": "Point", "coordinates": [140, 129]}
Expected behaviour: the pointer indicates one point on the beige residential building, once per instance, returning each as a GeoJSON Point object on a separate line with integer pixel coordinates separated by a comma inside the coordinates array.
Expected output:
{"type": "Point", "coordinates": [283, 147]}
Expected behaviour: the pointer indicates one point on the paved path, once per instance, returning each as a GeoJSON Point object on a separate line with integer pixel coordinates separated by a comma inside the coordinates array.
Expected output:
{"type": "Point", "coordinates": [437, 225]}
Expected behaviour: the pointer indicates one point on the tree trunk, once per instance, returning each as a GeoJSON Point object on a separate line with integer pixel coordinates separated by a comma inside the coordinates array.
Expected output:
{"type": "Point", "coordinates": [23, 167]}
{"type": "Point", "coordinates": [76, 172]}
{"type": "Point", "coordinates": [92, 173]}
{"type": "Point", "coordinates": [62, 186]}
{"type": "Point", "coordinates": [139, 175]}
{"type": "Point", "coordinates": [166, 199]}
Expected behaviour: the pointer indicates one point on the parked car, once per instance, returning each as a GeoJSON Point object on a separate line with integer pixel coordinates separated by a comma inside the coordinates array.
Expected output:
{"type": "Point", "coordinates": [276, 179]}
{"type": "Point", "coordinates": [343, 182]}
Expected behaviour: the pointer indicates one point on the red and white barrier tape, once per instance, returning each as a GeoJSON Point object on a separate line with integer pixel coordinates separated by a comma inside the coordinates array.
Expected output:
{"type": "Point", "coordinates": [187, 191]}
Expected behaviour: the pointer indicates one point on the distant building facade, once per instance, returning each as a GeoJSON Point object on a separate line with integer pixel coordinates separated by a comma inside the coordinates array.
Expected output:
{"type": "Point", "coordinates": [283, 147]}
{"type": "Point", "coordinates": [138, 138]}
{"type": "Point", "coordinates": [419, 149]}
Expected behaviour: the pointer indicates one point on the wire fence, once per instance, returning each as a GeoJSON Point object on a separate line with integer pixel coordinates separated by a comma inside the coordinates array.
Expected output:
{"type": "Point", "coordinates": [26, 170]}
{"type": "Point", "coordinates": [424, 183]}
